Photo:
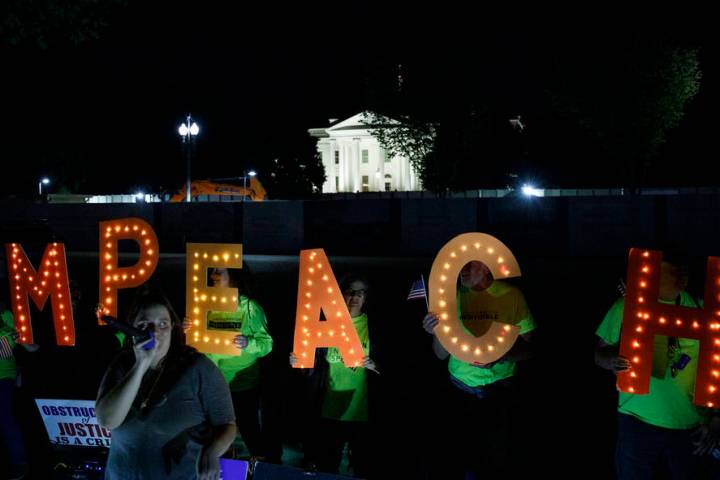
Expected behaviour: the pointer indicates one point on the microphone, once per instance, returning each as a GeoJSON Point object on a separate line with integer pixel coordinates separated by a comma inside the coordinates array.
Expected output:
{"type": "Point", "coordinates": [137, 335]}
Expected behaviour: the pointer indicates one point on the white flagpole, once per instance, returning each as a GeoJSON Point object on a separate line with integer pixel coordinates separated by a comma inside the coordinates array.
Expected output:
{"type": "Point", "coordinates": [422, 279]}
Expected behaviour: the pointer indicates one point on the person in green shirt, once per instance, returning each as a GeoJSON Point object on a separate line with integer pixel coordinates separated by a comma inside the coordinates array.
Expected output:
{"type": "Point", "coordinates": [10, 433]}
{"type": "Point", "coordinates": [663, 426]}
{"type": "Point", "coordinates": [343, 400]}
{"type": "Point", "coordinates": [480, 395]}
{"type": "Point", "coordinates": [242, 372]}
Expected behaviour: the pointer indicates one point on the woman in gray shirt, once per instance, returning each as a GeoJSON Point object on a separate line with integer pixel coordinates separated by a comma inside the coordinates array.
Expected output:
{"type": "Point", "coordinates": [169, 407]}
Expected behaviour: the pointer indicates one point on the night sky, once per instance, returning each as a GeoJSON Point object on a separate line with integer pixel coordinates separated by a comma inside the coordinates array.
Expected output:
{"type": "Point", "coordinates": [100, 115]}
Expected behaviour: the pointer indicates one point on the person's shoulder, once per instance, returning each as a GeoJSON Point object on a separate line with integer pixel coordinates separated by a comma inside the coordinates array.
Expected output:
{"type": "Point", "coordinates": [196, 367]}
{"type": "Point", "coordinates": [618, 304]}
{"type": "Point", "coordinates": [615, 313]}
{"type": "Point", "coordinates": [201, 363]}
{"type": "Point", "coordinates": [501, 287]}
{"type": "Point", "coordinates": [207, 373]}
{"type": "Point", "coordinates": [251, 303]}
{"type": "Point", "coordinates": [689, 300]}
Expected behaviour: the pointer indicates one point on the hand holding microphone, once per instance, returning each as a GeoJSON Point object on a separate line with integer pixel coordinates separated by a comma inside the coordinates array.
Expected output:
{"type": "Point", "coordinates": [138, 336]}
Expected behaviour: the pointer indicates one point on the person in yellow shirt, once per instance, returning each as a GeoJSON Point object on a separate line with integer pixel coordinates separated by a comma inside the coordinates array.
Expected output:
{"type": "Point", "coordinates": [242, 372]}
{"type": "Point", "coordinates": [664, 426]}
{"type": "Point", "coordinates": [480, 395]}
{"type": "Point", "coordinates": [343, 394]}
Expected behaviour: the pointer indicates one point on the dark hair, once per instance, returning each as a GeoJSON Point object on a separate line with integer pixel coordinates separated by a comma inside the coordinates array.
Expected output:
{"type": "Point", "coordinates": [352, 277]}
{"type": "Point", "coordinates": [676, 256]}
{"type": "Point", "coordinates": [243, 280]}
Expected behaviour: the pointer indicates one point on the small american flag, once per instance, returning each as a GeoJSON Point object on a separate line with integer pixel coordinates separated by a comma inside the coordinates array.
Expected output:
{"type": "Point", "coordinates": [418, 290]}
{"type": "Point", "coordinates": [6, 352]}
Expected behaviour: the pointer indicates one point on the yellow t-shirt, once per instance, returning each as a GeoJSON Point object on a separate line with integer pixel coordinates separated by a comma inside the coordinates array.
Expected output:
{"type": "Point", "coordinates": [670, 401]}
{"type": "Point", "coordinates": [346, 395]}
{"type": "Point", "coordinates": [500, 302]}
{"type": "Point", "coordinates": [242, 372]}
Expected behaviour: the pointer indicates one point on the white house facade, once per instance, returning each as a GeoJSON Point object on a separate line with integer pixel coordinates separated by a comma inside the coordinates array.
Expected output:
{"type": "Point", "coordinates": [354, 161]}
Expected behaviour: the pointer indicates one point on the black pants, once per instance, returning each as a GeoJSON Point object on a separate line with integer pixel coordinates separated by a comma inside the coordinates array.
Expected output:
{"type": "Point", "coordinates": [247, 417]}
{"type": "Point", "coordinates": [329, 442]}
{"type": "Point", "coordinates": [477, 435]}
{"type": "Point", "coordinates": [643, 448]}
{"type": "Point", "coordinates": [10, 434]}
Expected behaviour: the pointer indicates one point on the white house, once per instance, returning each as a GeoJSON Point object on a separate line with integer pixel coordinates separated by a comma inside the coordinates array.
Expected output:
{"type": "Point", "coordinates": [354, 161]}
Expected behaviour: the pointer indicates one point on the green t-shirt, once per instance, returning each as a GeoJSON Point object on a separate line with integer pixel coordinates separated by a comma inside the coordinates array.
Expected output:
{"type": "Point", "coordinates": [670, 401]}
{"type": "Point", "coordinates": [7, 359]}
{"type": "Point", "coordinates": [346, 395]}
{"type": "Point", "coordinates": [242, 371]}
{"type": "Point", "coordinates": [500, 302]}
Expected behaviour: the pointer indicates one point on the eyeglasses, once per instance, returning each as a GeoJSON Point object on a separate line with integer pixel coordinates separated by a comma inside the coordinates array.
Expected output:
{"type": "Point", "coordinates": [355, 293]}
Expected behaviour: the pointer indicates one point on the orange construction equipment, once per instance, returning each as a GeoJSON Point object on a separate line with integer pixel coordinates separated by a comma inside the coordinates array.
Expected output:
{"type": "Point", "coordinates": [254, 190]}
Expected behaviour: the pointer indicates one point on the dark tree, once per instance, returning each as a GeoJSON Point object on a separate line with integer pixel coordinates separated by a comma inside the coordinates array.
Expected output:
{"type": "Point", "coordinates": [628, 93]}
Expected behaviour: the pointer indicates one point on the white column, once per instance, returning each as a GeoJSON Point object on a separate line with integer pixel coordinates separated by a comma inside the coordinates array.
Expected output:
{"type": "Point", "coordinates": [325, 150]}
{"type": "Point", "coordinates": [339, 167]}
{"type": "Point", "coordinates": [407, 174]}
{"type": "Point", "coordinates": [374, 162]}
{"type": "Point", "coordinates": [330, 169]}
{"type": "Point", "coordinates": [356, 160]}
{"type": "Point", "coordinates": [340, 170]}
{"type": "Point", "coordinates": [381, 167]}
{"type": "Point", "coordinates": [348, 168]}
{"type": "Point", "coordinates": [343, 167]}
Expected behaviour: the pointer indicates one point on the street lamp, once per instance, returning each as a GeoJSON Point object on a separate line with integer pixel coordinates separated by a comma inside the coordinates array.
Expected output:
{"type": "Point", "coordinates": [530, 191]}
{"type": "Point", "coordinates": [251, 173]}
{"type": "Point", "coordinates": [188, 131]}
{"type": "Point", "coordinates": [43, 181]}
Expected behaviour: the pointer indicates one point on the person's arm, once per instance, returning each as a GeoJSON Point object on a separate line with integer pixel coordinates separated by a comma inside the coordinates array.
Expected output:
{"type": "Point", "coordinates": [304, 371]}
{"type": "Point", "coordinates": [29, 347]}
{"type": "Point", "coordinates": [208, 467]}
{"type": "Point", "coordinates": [523, 349]}
{"type": "Point", "coordinates": [607, 356]}
{"type": "Point", "coordinates": [12, 335]}
{"type": "Point", "coordinates": [607, 350]}
{"type": "Point", "coordinates": [438, 349]}
{"type": "Point", "coordinates": [112, 406]}
{"type": "Point", "coordinates": [707, 435]}
{"type": "Point", "coordinates": [369, 364]}
{"type": "Point", "coordinates": [429, 323]}
{"type": "Point", "coordinates": [218, 407]}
